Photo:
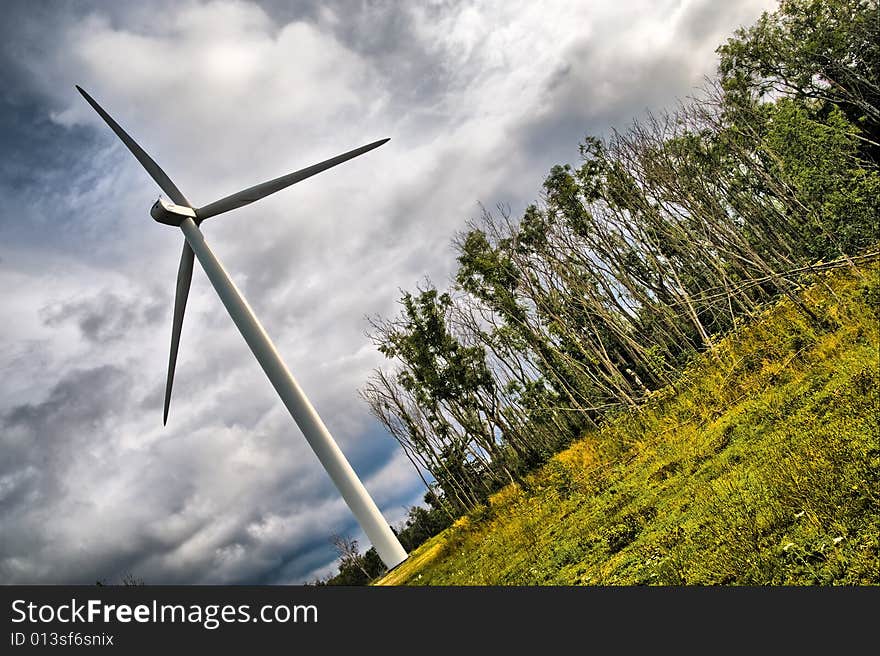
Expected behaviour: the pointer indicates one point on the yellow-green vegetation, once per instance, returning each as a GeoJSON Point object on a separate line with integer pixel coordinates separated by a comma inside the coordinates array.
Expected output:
{"type": "Point", "coordinates": [761, 466]}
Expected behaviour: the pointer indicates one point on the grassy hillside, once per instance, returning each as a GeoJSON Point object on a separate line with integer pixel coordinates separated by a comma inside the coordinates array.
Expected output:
{"type": "Point", "coordinates": [762, 467]}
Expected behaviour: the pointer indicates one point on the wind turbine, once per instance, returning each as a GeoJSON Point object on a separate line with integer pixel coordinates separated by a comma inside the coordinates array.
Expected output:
{"type": "Point", "coordinates": [179, 212]}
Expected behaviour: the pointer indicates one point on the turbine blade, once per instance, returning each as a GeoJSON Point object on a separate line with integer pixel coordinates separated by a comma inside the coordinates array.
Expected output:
{"type": "Point", "coordinates": [184, 279]}
{"type": "Point", "coordinates": [146, 161]}
{"type": "Point", "coordinates": [262, 190]}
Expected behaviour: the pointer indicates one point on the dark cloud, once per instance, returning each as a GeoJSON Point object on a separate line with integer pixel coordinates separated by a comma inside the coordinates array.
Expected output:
{"type": "Point", "coordinates": [415, 70]}
{"type": "Point", "coordinates": [41, 440]}
{"type": "Point", "coordinates": [107, 317]}
{"type": "Point", "coordinates": [708, 23]}
{"type": "Point", "coordinates": [82, 398]}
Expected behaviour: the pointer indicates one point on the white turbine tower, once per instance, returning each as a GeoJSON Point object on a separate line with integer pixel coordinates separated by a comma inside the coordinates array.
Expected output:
{"type": "Point", "coordinates": [183, 215]}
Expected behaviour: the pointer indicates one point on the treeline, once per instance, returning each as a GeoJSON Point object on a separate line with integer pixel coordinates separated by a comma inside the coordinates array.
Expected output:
{"type": "Point", "coordinates": [666, 235]}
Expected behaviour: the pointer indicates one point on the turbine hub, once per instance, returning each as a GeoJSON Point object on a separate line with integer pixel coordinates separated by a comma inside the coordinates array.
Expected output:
{"type": "Point", "coordinates": [164, 211]}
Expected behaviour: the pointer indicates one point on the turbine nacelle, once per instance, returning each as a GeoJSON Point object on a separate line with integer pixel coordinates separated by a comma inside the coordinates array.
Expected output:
{"type": "Point", "coordinates": [164, 211]}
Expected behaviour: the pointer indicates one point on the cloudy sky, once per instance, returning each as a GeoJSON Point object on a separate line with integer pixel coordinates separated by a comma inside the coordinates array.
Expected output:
{"type": "Point", "coordinates": [480, 99]}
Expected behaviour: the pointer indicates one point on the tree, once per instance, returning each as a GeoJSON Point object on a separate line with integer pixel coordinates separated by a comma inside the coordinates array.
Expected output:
{"type": "Point", "coordinates": [354, 568]}
{"type": "Point", "coordinates": [826, 50]}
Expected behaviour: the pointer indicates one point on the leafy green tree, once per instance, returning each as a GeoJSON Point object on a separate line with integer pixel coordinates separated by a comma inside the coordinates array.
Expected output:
{"type": "Point", "coordinates": [355, 568]}
{"type": "Point", "coordinates": [837, 192]}
{"type": "Point", "coordinates": [826, 50]}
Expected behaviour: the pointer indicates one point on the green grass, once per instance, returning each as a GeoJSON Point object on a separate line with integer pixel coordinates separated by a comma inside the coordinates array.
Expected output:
{"type": "Point", "coordinates": [762, 467]}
